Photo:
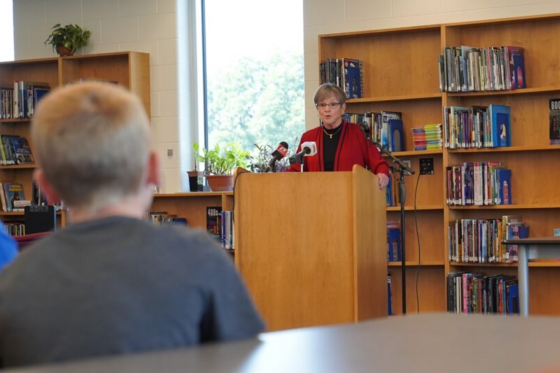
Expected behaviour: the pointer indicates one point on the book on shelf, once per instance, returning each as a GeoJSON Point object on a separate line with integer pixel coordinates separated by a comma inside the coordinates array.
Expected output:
{"type": "Point", "coordinates": [471, 292]}
{"type": "Point", "coordinates": [394, 247]}
{"type": "Point", "coordinates": [163, 218]}
{"type": "Point", "coordinates": [427, 137]}
{"type": "Point", "coordinates": [25, 97]}
{"type": "Point", "coordinates": [396, 135]}
{"type": "Point", "coordinates": [213, 221]}
{"type": "Point", "coordinates": [554, 121]}
{"type": "Point", "coordinates": [517, 67]}
{"type": "Point", "coordinates": [6, 102]}
{"type": "Point", "coordinates": [21, 150]}
{"type": "Point", "coordinates": [515, 230]}
{"type": "Point", "coordinates": [385, 132]}
{"type": "Point", "coordinates": [38, 94]}
{"type": "Point", "coordinates": [7, 151]}
{"type": "Point", "coordinates": [353, 78]}
{"type": "Point", "coordinates": [467, 69]}
{"type": "Point", "coordinates": [3, 197]}
{"type": "Point", "coordinates": [13, 192]}
{"type": "Point", "coordinates": [500, 121]}
{"type": "Point", "coordinates": [503, 186]}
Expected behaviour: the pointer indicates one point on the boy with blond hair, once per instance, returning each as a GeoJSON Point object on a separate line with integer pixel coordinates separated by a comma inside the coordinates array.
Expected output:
{"type": "Point", "coordinates": [110, 282]}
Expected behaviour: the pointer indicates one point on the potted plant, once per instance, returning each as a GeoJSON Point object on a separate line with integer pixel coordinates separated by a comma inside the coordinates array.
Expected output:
{"type": "Point", "coordinates": [66, 39]}
{"type": "Point", "coordinates": [220, 162]}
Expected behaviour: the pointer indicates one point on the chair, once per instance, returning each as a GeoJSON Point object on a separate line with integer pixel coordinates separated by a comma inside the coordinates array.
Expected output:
{"type": "Point", "coordinates": [28, 239]}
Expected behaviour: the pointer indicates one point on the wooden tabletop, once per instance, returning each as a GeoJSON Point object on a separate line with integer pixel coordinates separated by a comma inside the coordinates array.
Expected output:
{"type": "Point", "coordinates": [428, 343]}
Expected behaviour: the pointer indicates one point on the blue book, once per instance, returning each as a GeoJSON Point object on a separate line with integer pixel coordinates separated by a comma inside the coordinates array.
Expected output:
{"type": "Point", "coordinates": [500, 120]}
{"type": "Point", "coordinates": [512, 296]}
{"type": "Point", "coordinates": [394, 244]}
{"type": "Point", "coordinates": [353, 78]}
{"type": "Point", "coordinates": [396, 135]}
{"type": "Point", "coordinates": [517, 67]}
{"type": "Point", "coordinates": [503, 183]}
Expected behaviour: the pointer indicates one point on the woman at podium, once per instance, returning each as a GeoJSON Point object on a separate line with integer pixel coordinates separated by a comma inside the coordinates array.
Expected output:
{"type": "Point", "coordinates": [337, 145]}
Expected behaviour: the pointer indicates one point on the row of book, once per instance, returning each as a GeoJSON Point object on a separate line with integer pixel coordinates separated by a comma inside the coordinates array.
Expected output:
{"type": "Point", "coordinates": [385, 128]}
{"type": "Point", "coordinates": [15, 229]}
{"type": "Point", "coordinates": [478, 293]}
{"type": "Point", "coordinates": [15, 150]}
{"type": "Point", "coordinates": [220, 225]}
{"type": "Point", "coordinates": [479, 184]}
{"type": "Point", "coordinates": [477, 126]}
{"type": "Point", "coordinates": [163, 218]}
{"type": "Point", "coordinates": [346, 73]}
{"type": "Point", "coordinates": [21, 100]}
{"type": "Point", "coordinates": [468, 69]}
{"type": "Point", "coordinates": [427, 137]}
{"type": "Point", "coordinates": [480, 240]}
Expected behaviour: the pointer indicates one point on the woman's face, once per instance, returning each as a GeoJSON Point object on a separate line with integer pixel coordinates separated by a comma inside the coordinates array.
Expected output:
{"type": "Point", "coordinates": [330, 111]}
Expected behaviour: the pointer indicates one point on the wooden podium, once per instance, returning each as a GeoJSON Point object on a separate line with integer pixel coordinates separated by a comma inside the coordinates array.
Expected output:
{"type": "Point", "coordinates": [312, 247]}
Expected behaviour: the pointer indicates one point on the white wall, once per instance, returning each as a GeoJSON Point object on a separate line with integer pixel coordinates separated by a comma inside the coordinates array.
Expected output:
{"type": "Point", "coordinates": [151, 26]}
{"type": "Point", "coordinates": [118, 25]}
{"type": "Point", "coordinates": [334, 16]}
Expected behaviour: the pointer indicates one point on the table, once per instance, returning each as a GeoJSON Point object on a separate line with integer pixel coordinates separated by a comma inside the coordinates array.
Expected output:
{"type": "Point", "coordinates": [532, 248]}
{"type": "Point", "coordinates": [425, 343]}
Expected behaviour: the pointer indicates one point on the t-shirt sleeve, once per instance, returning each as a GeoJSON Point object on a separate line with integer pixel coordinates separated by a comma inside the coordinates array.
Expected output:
{"type": "Point", "coordinates": [230, 313]}
{"type": "Point", "coordinates": [8, 248]}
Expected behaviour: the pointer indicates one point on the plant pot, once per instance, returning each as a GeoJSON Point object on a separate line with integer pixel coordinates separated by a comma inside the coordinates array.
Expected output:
{"type": "Point", "coordinates": [193, 181]}
{"type": "Point", "coordinates": [63, 51]}
{"type": "Point", "coordinates": [220, 183]}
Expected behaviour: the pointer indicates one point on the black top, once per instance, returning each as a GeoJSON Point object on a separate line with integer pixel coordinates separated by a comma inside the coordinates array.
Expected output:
{"type": "Point", "coordinates": [330, 144]}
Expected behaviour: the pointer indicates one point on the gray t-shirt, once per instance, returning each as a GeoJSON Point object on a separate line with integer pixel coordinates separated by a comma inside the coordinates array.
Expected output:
{"type": "Point", "coordinates": [120, 285]}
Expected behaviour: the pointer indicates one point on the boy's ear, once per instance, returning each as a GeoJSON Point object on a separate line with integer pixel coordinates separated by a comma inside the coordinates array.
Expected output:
{"type": "Point", "coordinates": [46, 188]}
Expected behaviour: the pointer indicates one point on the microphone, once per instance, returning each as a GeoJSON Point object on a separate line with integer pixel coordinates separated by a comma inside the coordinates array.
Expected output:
{"type": "Point", "coordinates": [308, 149]}
{"type": "Point", "coordinates": [278, 154]}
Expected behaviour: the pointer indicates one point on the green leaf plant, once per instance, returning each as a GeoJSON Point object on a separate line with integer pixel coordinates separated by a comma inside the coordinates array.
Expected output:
{"type": "Point", "coordinates": [70, 36]}
{"type": "Point", "coordinates": [221, 161]}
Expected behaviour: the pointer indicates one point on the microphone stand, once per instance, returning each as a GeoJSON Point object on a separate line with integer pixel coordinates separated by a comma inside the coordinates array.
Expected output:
{"type": "Point", "coordinates": [401, 169]}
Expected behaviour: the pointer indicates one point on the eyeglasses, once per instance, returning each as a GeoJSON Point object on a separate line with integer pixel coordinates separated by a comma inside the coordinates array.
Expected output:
{"type": "Point", "coordinates": [323, 106]}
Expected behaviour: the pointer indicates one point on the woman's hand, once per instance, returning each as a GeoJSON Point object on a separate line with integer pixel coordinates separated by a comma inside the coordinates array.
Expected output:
{"type": "Point", "coordinates": [383, 180]}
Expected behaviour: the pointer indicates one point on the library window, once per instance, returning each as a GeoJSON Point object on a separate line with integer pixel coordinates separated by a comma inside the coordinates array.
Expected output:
{"type": "Point", "coordinates": [253, 72]}
{"type": "Point", "coordinates": [6, 30]}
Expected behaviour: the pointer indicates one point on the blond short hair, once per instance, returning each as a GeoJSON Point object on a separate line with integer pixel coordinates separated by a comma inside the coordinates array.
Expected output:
{"type": "Point", "coordinates": [92, 141]}
{"type": "Point", "coordinates": [327, 89]}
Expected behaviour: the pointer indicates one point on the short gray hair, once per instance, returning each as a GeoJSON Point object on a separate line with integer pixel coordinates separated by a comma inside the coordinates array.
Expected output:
{"type": "Point", "coordinates": [326, 90]}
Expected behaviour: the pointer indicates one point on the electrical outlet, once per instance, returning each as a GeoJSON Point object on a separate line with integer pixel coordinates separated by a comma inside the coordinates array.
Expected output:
{"type": "Point", "coordinates": [170, 153]}
{"type": "Point", "coordinates": [426, 166]}
{"type": "Point", "coordinates": [408, 164]}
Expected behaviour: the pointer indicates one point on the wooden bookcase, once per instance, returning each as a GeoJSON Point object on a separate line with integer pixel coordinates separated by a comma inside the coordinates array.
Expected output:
{"type": "Point", "coordinates": [401, 74]}
{"type": "Point", "coordinates": [192, 206]}
{"type": "Point", "coordinates": [128, 69]}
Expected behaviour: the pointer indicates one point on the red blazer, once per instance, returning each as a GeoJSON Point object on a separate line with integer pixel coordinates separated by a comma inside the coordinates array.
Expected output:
{"type": "Point", "coordinates": [353, 148]}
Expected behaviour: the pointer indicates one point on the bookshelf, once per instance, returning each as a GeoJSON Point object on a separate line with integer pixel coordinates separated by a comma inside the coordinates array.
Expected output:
{"type": "Point", "coordinates": [192, 206]}
{"type": "Point", "coordinates": [128, 69]}
{"type": "Point", "coordinates": [401, 74]}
